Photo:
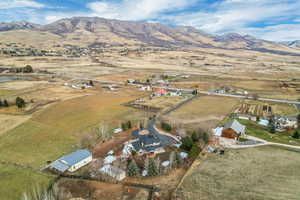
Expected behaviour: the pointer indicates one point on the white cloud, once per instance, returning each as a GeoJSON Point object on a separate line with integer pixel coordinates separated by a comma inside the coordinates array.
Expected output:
{"type": "Point", "coordinates": [231, 15]}
{"type": "Point", "coordinates": [283, 32]}
{"type": "Point", "coordinates": [8, 4]}
{"type": "Point", "coordinates": [239, 15]}
{"type": "Point", "coordinates": [137, 9]}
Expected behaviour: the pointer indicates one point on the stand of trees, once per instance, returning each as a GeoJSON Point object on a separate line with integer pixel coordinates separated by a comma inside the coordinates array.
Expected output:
{"type": "Point", "coordinates": [190, 143]}
{"type": "Point", "coordinates": [165, 126]}
{"type": "Point", "coordinates": [4, 103]}
{"type": "Point", "coordinates": [132, 169]}
{"type": "Point", "coordinates": [296, 135]}
{"type": "Point", "coordinates": [126, 125]}
{"type": "Point", "coordinates": [26, 69]}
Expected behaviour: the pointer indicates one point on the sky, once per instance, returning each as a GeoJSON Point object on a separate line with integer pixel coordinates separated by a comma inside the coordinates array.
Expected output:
{"type": "Point", "coordinates": [275, 20]}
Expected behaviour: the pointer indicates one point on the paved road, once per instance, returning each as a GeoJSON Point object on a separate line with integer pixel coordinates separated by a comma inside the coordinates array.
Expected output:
{"type": "Point", "coordinates": [245, 97]}
{"type": "Point", "coordinates": [262, 143]}
{"type": "Point", "coordinates": [165, 138]}
{"type": "Point", "coordinates": [297, 103]}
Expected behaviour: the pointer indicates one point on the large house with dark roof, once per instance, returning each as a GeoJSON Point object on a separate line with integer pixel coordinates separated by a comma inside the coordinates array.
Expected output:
{"type": "Point", "coordinates": [146, 142]}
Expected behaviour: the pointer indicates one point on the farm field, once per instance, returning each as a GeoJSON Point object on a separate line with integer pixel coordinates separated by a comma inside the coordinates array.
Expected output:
{"type": "Point", "coordinates": [205, 111]}
{"type": "Point", "coordinates": [261, 173]}
{"type": "Point", "coordinates": [8, 122]}
{"type": "Point", "coordinates": [291, 97]}
{"type": "Point", "coordinates": [163, 102]}
{"type": "Point", "coordinates": [266, 109]}
{"type": "Point", "coordinates": [58, 129]}
{"type": "Point", "coordinates": [262, 132]}
{"type": "Point", "coordinates": [15, 181]}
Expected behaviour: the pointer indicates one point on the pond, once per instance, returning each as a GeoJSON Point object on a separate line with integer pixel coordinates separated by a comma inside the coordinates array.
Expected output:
{"type": "Point", "coordinates": [4, 79]}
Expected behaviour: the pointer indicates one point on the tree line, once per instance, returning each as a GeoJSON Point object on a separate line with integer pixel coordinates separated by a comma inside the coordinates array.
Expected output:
{"type": "Point", "coordinates": [19, 102]}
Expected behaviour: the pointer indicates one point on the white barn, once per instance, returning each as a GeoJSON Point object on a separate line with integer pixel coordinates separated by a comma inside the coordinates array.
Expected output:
{"type": "Point", "coordinates": [72, 161]}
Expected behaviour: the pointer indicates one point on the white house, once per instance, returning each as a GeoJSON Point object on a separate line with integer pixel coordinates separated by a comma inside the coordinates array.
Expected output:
{"type": "Point", "coordinates": [114, 172]}
{"type": "Point", "coordinates": [72, 161]}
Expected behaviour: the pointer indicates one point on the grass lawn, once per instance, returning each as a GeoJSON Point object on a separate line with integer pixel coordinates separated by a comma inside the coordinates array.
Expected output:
{"type": "Point", "coordinates": [261, 173]}
{"type": "Point", "coordinates": [15, 181]}
{"type": "Point", "coordinates": [262, 132]}
{"type": "Point", "coordinates": [57, 130]}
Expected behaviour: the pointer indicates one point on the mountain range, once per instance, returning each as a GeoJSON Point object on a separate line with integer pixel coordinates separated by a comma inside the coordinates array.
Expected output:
{"type": "Point", "coordinates": [89, 30]}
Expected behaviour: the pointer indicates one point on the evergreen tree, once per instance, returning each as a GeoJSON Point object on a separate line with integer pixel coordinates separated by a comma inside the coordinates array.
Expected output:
{"type": "Point", "coordinates": [187, 143]}
{"type": "Point", "coordinates": [124, 126]}
{"type": "Point", "coordinates": [205, 137]}
{"type": "Point", "coordinates": [272, 128]}
{"type": "Point", "coordinates": [257, 118]}
{"type": "Point", "coordinates": [129, 125]}
{"type": "Point", "coordinates": [132, 169]}
{"type": "Point", "coordinates": [5, 103]}
{"type": "Point", "coordinates": [296, 135]}
{"type": "Point", "coordinates": [20, 102]}
{"type": "Point", "coordinates": [141, 125]}
{"type": "Point", "coordinates": [27, 69]}
{"type": "Point", "coordinates": [194, 152]}
{"type": "Point", "coordinates": [153, 170]}
{"type": "Point", "coordinates": [91, 83]}
{"type": "Point", "coordinates": [165, 126]}
{"type": "Point", "coordinates": [195, 136]}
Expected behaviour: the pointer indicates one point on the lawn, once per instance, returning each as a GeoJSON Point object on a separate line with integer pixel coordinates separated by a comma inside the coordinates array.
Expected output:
{"type": "Point", "coordinates": [262, 132]}
{"type": "Point", "coordinates": [57, 130]}
{"type": "Point", "coordinates": [15, 181]}
{"type": "Point", "coordinates": [261, 173]}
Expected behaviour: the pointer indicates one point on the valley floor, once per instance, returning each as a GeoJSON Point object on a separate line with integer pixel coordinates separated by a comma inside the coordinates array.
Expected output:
{"type": "Point", "coordinates": [261, 173]}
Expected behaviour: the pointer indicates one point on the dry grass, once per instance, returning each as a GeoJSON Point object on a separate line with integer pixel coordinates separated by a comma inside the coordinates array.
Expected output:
{"type": "Point", "coordinates": [57, 130]}
{"type": "Point", "coordinates": [8, 122]}
{"type": "Point", "coordinates": [15, 181]}
{"type": "Point", "coordinates": [164, 102]}
{"type": "Point", "coordinates": [277, 108]}
{"type": "Point", "coordinates": [205, 111]}
{"type": "Point", "coordinates": [264, 173]}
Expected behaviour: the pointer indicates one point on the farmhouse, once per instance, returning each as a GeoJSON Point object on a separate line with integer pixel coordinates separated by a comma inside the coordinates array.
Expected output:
{"type": "Point", "coordinates": [282, 123]}
{"type": "Point", "coordinates": [72, 161]}
{"type": "Point", "coordinates": [160, 92]}
{"type": "Point", "coordinates": [233, 129]}
{"type": "Point", "coordinates": [146, 142]}
{"type": "Point", "coordinates": [114, 172]}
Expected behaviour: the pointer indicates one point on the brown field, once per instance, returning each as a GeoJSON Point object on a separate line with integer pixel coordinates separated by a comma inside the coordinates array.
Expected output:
{"type": "Point", "coordinates": [90, 189]}
{"type": "Point", "coordinates": [57, 129]}
{"type": "Point", "coordinates": [163, 102]}
{"type": "Point", "coordinates": [257, 108]}
{"type": "Point", "coordinates": [8, 122]}
{"type": "Point", "coordinates": [263, 173]}
{"type": "Point", "coordinates": [205, 111]}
